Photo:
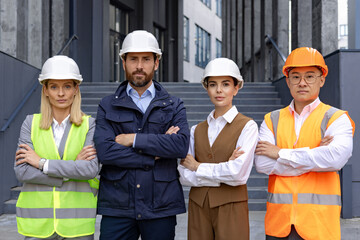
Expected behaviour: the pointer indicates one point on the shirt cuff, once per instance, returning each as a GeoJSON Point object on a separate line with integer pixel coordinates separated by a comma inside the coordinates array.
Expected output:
{"type": "Point", "coordinates": [134, 141]}
{"type": "Point", "coordinates": [46, 167]}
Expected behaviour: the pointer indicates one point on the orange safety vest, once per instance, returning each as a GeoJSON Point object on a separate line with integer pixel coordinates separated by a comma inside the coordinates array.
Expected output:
{"type": "Point", "coordinates": [312, 201]}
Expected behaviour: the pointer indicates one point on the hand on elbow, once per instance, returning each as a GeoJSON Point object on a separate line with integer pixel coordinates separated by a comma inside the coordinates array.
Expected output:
{"type": "Point", "coordinates": [267, 149]}
{"type": "Point", "coordinates": [27, 155]}
{"type": "Point", "coordinates": [87, 153]}
{"type": "Point", "coordinates": [190, 163]}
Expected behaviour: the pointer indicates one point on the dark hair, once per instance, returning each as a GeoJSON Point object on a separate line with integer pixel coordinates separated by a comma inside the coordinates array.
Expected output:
{"type": "Point", "coordinates": [236, 82]}
{"type": "Point", "coordinates": [125, 55]}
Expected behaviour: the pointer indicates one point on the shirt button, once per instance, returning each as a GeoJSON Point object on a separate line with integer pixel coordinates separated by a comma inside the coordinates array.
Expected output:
{"type": "Point", "coordinates": [210, 156]}
{"type": "Point", "coordinates": [164, 103]}
{"type": "Point", "coordinates": [139, 129]}
{"type": "Point", "coordinates": [139, 215]}
{"type": "Point", "coordinates": [140, 151]}
{"type": "Point", "coordinates": [138, 185]}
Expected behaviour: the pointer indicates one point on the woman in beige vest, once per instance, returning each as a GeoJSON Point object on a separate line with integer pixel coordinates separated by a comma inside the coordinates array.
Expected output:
{"type": "Point", "coordinates": [219, 161]}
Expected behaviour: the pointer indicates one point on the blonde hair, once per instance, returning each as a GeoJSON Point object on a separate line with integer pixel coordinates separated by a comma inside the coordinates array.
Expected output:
{"type": "Point", "coordinates": [46, 110]}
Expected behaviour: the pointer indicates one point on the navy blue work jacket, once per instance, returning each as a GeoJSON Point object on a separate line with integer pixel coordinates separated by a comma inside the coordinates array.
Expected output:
{"type": "Point", "coordinates": [133, 184]}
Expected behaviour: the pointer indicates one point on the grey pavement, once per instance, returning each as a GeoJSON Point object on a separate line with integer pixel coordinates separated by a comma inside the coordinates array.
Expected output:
{"type": "Point", "coordinates": [350, 228]}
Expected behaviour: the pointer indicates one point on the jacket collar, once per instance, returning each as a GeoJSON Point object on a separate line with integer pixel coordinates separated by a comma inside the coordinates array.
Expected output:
{"type": "Point", "coordinates": [121, 98]}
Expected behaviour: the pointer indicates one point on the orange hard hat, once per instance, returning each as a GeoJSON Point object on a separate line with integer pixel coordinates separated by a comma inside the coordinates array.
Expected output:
{"type": "Point", "coordinates": [305, 57]}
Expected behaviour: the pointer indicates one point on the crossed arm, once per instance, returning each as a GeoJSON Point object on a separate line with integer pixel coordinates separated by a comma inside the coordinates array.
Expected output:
{"type": "Point", "coordinates": [332, 154]}
{"type": "Point", "coordinates": [26, 164]}
{"type": "Point", "coordinates": [233, 172]}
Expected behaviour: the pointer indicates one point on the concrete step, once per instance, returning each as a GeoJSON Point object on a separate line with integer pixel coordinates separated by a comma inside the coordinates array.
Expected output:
{"type": "Point", "coordinates": [204, 115]}
{"type": "Point", "coordinates": [196, 100]}
{"type": "Point", "coordinates": [174, 89]}
{"type": "Point", "coordinates": [257, 192]}
{"type": "Point", "coordinates": [188, 94]}
{"type": "Point", "coordinates": [14, 192]}
{"type": "Point", "coordinates": [10, 206]}
{"type": "Point", "coordinates": [206, 108]}
{"type": "Point", "coordinates": [257, 204]}
{"type": "Point", "coordinates": [256, 180]}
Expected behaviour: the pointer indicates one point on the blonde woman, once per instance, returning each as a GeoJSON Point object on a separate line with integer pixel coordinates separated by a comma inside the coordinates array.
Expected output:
{"type": "Point", "coordinates": [56, 160]}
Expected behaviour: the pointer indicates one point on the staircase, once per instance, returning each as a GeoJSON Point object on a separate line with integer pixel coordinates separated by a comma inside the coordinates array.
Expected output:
{"type": "Point", "coordinates": [254, 100]}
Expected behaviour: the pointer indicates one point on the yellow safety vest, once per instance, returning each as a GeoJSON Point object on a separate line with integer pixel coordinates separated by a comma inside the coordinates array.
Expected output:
{"type": "Point", "coordinates": [312, 201]}
{"type": "Point", "coordinates": [69, 210]}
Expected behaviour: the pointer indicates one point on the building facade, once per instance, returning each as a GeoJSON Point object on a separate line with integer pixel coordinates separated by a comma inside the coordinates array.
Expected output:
{"type": "Point", "coordinates": [202, 36]}
{"type": "Point", "coordinates": [33, 30]}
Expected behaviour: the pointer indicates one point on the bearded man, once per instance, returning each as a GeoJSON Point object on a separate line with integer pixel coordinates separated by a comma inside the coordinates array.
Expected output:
{"type": "Point", "coordinates": [140, 132]}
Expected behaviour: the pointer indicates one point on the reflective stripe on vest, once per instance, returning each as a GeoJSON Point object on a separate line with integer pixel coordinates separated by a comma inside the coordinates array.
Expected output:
{"type": "Point", "coordinates": [69, 210]}
{"type": "Point", "coordinates": [61, 213]}
{"type": "Point", "coordinates": [304, 198]}
{"type": "Point", "coordinates": [308, 199]}
{"type": "Point", "coordinates": [280, 198]}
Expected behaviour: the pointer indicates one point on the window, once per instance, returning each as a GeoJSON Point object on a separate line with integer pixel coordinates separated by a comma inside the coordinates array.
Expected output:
{"type": "Point", "coordinates": [159, 35]}
{"type": "Point", "coordinates": [343, 30]}
{"type": "Point", "coordinates": [218, 48]}
{"type": "Point", "coordinates": [207, 3]}
{"type": "Point", "coordinates": [218, 8]}
{"type": "Point", "coordinates": [202, 42]}
{"type": "Point", "coordinates": [186, 39]}
{"type": "Point", "coordinates": [118, 23]}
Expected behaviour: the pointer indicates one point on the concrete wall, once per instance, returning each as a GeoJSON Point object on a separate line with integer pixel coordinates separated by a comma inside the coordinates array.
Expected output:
{"type": "Point", "coordinates": [206, 18]}
{"type": "Point", "coordinates": [313, 24]}
{"type": "Point", "coordinates": [33, 30]}
{"type": "Point", "coordinates": [16, 79]}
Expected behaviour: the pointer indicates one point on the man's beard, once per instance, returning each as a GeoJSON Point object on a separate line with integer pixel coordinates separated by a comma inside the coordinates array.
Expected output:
{"type": "Point", "coordinates": [139, 81]}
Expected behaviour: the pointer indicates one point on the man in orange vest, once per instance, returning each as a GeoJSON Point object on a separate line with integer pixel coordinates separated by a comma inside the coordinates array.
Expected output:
{"type": "Point", "coordinates": [301, 148]}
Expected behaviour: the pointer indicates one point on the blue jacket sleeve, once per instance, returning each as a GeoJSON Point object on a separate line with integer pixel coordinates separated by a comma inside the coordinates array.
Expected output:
{"type": "Point", "coordinates": [164, 145]}
{"type": "Point", "coordinates": [110, 152]}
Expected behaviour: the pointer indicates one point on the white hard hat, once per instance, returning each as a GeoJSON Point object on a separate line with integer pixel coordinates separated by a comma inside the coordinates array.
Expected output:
{"type": "Point", "coordinates": [140, 41]}
{"type": "Point", "coordinates": [222, 67]}
{"type": "Point", "coordinates": [60, 67]}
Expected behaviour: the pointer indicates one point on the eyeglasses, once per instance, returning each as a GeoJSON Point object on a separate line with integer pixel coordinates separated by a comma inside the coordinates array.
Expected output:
{"type": "Point", "coordinates": [309, 79]}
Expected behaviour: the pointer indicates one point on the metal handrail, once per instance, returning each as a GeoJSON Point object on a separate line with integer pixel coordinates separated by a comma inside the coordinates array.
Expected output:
{"type": "Point", "coordinates": [29, 93]}
{"type": "Point", "coordinates": [276, 47]}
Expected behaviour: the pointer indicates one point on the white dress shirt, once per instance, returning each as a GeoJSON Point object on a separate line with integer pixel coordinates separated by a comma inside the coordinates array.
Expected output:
{"type": "Point", "coordinates": [58, 132]}
{"type": "Point", "coordinates": [232, 172]}
{"type": "Point", "coordinates": [294, 162]}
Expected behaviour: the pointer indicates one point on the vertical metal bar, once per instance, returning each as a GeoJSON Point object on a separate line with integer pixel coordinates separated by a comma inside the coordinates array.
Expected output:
{"type": "Point", "coordinates": [262, 41]}
{"type": "Point", "coordinates": [252, 42]}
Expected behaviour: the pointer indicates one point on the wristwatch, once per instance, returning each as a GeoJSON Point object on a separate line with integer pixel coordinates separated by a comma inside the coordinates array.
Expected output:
{"type": "Point", "coordinates": [41, 163]}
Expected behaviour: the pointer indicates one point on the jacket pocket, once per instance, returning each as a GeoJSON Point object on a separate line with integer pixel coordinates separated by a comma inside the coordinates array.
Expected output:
{"type": "Point", "coordinates": [114, 192]}
{"type": "Point", "coordinates": [159, 122]}
{"type": "Point", "coordinates": [121, 122]}
{"type": "Point", "coordinates": [167, 189]}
